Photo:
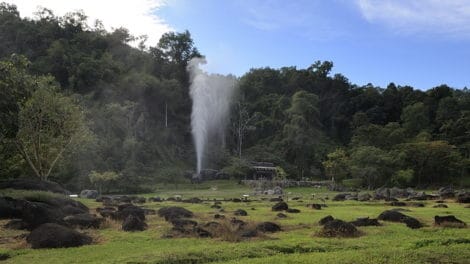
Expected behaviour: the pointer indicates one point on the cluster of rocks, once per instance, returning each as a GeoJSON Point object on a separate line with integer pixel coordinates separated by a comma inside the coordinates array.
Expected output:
{"type": "Point", "coordinates": [132, 216]}
{"type": "Point", "coordinates": [394, 193]}
{"type": "Point", "coordinates": [50, 219]}
{"type": "Point", "coordinates": [283, 206]}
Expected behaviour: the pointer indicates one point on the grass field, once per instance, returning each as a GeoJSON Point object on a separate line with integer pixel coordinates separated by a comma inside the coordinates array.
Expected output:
{"type": "Point", "coordinates": [297, 243]}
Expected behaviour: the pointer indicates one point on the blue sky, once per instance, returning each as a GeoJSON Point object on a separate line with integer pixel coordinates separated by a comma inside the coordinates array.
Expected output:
{"type": "Point", "coordinates": [422, 43]}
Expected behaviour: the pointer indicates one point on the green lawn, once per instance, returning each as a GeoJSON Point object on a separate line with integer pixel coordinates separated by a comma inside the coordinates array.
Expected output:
{"type": "Point", "coordinates": [391, 243]}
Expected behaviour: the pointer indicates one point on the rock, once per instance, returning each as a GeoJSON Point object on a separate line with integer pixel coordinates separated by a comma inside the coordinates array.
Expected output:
{"type": "Point", "coordinates": [219, 216]}
{"type": "Point", "coordinates": [446, 192]}
{"type": "Point", "coordinates": [362, 197]}
{"type": "Point", "coordinates": [72, 210]}
{"type": "Point", "coordinates": [421, 196]}
{"type": "Point", "coordinates": [392, 216]}
{"type": "Point", "coordinates": [83, 220]}
{"type": "Point", "coordinates": [293, 211]}
{"type": "Point", "coordinates": [139, 200]}
{"type": "Point", "coordinates": [463, 197]}
{"type": "Point", "coordinates": [89, 194]}
{"type": "Point", "coordinates": [417, 204]}
{"type": "Point", "coordinates": [124, 205]}
{"type": "Point", "coordinates": [236, 200]}
{"type": "Point", "coordinates": [216, 206]}
{"type": "Point", "coordinates": [249, 233]}
{"type": "Point", "coordinates": [395, 216]}
{"type": "Point", "coordinates": [107, 212]}
{"type": "Point", "coordinates": [240, 212]}
{"type": "Point", "coordinates": [366, 221]}
{"type": "Point", "coordinates": [449, 221]}
{"type": "Point", "coordinates": [440, 206]}
{"type": "Point", "coordinates": [315, 206]}
{"type": "Point", "coordinates": [281, 215]}
{"type": "Point", "coordinates": [325, 220]}
{"type": "Point", "coordinates": [33, 184]}
{"type": "Point", "coordinates": [351, 197]}
{"type": "Point", "coordinates": [277, 199]}
{"type": "Point", "coordinates": [339, 228]}
{"type": "Point", "coordinates": [212, 225]}
{"type": "Point", "coordinates": [51, 235]}
{"type": "Point", "coordinates": [340, 197]}
{"type": "Point", "coordinates": [398, 203]}
{"type": "Point", "coordinates": [193, 200]}
{"type": "Point", "coordinates": [200, 232]}
{"type": "Point", "coordinates": [280, 206]}
{"type": "Point", "coordinates": [268, 227]}
{"type": "Point", "coordinates": [237, 222]}
{"type": "Point", "coordinates": [130, 210]}
{"type": "Point", "coordinates": [155, 199]}
{"type": "Point", "coordinates": [174, 212]}
{"type": "Point", "coordinates": [412, 222]}
{"type": "Point", "coordinates": [297, 198]}
{"type": "Point", "coordinates": [133, 223]}
{"type": "Point", "coordinates": [11, 208]}
{"type": "Point", "coordinates": [278, 190]}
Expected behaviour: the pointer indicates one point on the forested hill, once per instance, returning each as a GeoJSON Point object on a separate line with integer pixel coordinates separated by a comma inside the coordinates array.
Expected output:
{"type": "Point", "coordinates": [134, 114]}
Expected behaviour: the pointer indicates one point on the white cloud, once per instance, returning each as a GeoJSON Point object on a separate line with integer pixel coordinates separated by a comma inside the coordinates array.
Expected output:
{"type": "Point", "coordinates": [138, 16]}
{"type": "Point", "coordinates": [442, 17]}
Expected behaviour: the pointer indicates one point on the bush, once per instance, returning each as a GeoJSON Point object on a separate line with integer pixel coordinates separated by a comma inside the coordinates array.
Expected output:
{"type": "Point", "coordinates": [237, 168]}
{"type": "Point", "coordinates": [403, 178]}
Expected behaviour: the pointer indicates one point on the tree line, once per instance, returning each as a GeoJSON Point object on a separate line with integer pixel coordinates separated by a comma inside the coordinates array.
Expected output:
{"type": "Point", "coordinates": [79, 105]}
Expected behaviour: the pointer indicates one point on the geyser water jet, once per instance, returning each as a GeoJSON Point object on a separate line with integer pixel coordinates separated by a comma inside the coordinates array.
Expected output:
{"type": "Point", "coordinates": [211, 95]}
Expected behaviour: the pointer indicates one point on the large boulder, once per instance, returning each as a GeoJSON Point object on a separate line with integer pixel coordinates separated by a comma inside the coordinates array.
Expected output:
{"type": "Point", "coordinates": [325, 220]}
{"type": "Point", "coordinates": [340, 196]}
{"type": "Point", "coordinates": [463, 197]}
{"type": "Point", "coordinates": [449, 221]}
{"type": "Point", "coordinates": [280, 206]}
{"type": "Point", "coordinates": [130, 210]}
{"type": "Point", "coordinates": [174, 212]}
{"type": "Point", "coordinates": [89, 194]}
{"type": "Point", "coordinates": [33, 184]}
{"type": "Point", "coordinates": [83, 220]}
{"type": "Point", "coordinates": [268, 227]}
{"type": "Point", "coordinates": [446, 192]}
{"type": "Point", "coordinates": [11, 208]}
{"type": "Point", "coordinates": [51, 235]}
{"type": "Point", "coordinates": [395, 216]}
{"type": "Point", "coordinates": [339, 228]}
{"type": "Point", "coordinates": [366, 221]}
{"type": "Point", "coordinates": [133, 223]}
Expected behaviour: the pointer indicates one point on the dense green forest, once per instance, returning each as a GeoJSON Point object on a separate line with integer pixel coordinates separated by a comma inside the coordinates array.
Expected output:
{"type": "Point", "coordinates": [81, 106]}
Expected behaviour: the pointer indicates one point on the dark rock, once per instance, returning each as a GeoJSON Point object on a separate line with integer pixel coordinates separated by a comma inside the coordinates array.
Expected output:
{"type": "Point", "coordinates": [83, 220]}
{"type": "Point", "coordinates": [200, 232]}
{"type": "Point", "coordinates": [178, 222]}
{"type": "Point", "coordinates": [131, 210]}
{"type": "Point", "coordinates": [366, 221]}
{"type": "Point", "coordinates": [412, 222]}
{"type": "Point", "coordinates": [240, 212]}
{"type": "Point", "coordinates": [139, 200]}
{"type": "Point", "coordinates": [133, 223]}
{"type": "Point", "coordinates": [236, 200]}
{"type": "Point", "coordinates": [277, 199]}
{"type": "Point", "coordinates": [295, 198]}
{"type": "Point", "coordinates": [417, 204]}
{"type": "Point", "coordinates": [280, 206]}
{"type": "Point", "coordinates": [463, 197]}
{"type": "Point", "coordinates": [325, 220]}
{"type": "Point", "coordinates": [216, 206]}
{"type": "Point", "coordinates": [212, 225]}
{"type": "Point", "coordinates": [219, 216]}
{"type": "Point", "coordinates": [268, 227]}
{"type": "Point", "coordinates": [339, 228]}
{"type": "Point", "coordinates": [72, 210]}
{"type": "Point", "coordinates": [449, 221]}
{"type": "Point", "coordinates": [51, 235]}
{"type": "Point", "coordinates": [398, 203]}
{"type": "Point", "coordinates": [123, 206]}
{"type": "Point", "coordinates": [33, 184]}
{"type": "Point", "coordinates": [293, 210]}
{"type": "Point", "coordinates": [11, 208]}
{"type": "Point", "coordinates": [340, 197]}
{"type": "Point", "coordinates": [89, 194]}
{"type": "Point", "coordinates": [392, 216]}
{"type": "Point", "coordinates": [395, 216]}
{"type": "Point", "coordinates": [107, 212]}
{"type": "Point", "coordinates": [351, 197]}
{"type": "Point", "coordinates": [36, 214]}
{"type": "Point", "coordinates": [446, 192]}
{"type": "Point", "coordinates": [440, 206]}
{"type": "Point", "coordinates": [16, 224]}
{"type": "Point", "coordinates": [193, 200]}
{"type": "Point", "coordinates": [124, 199]}
{"type": "Point", "coordinates": [281, 215]}
{"type": "Point", "coordinates": [237, 222]}
{"type": "Point", "coordinates": [362, 197]}
{"type": "Point", "coordinates": [315, 206]}
{"type": "Point", "coordinates": [155, 199]}
{"type": "Point", "coordinates": [174, 212]}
